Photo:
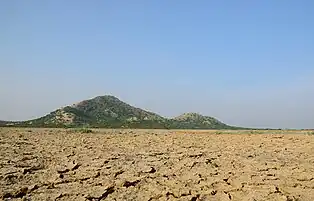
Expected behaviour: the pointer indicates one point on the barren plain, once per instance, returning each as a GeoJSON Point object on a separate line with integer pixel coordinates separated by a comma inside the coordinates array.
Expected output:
{"type": "Point", "coordinates": [65, 164]}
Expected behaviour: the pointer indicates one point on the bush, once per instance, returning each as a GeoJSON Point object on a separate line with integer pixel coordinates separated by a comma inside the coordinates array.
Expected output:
{"type": "Point", "coordinates": [255, 132]}
{"type": "Point", "coordinates": [85, 130]}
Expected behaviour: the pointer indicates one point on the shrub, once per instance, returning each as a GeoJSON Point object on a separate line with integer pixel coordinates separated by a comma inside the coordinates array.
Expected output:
{"type": "Point", "coordinates": [255, 132]}
{"type": "Point", "coordinates": [85, 130]}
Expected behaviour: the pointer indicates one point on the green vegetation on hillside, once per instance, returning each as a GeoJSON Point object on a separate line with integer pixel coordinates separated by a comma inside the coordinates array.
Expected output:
{"type": "Point", "coordinates": [110, 112]}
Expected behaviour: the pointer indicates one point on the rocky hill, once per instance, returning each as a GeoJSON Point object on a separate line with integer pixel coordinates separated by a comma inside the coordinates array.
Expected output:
{"type": "Point", "coordinates": [110, 112]}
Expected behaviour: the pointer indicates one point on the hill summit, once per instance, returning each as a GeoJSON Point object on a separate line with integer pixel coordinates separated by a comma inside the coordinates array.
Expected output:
{"type": "Point", "coordinates": [110, 112]}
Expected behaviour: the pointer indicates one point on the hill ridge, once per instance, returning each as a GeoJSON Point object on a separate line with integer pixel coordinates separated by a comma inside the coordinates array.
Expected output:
{"type": "Point", "coordinates": [108, 111]}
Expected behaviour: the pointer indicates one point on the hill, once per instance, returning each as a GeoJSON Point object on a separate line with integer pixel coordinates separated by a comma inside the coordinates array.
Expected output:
{"type": "Point", "coordinates": [110, 112]}
{"type": "Point", "coordinates": [198, 121]}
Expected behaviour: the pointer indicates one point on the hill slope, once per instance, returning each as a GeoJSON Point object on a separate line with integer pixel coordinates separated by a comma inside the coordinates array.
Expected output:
{"type": "Point", "coordinates": [103, 107]}
{"type": "Point", "coordinates": [110, 112]}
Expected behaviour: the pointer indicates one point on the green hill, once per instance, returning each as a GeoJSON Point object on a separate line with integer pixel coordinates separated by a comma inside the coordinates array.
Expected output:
{"type": "Point", "coordinates": [110, 112]}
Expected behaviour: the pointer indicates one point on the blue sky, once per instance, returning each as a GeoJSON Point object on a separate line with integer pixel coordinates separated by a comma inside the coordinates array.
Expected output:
{"type": "Point", "coordinates": [248, 63]}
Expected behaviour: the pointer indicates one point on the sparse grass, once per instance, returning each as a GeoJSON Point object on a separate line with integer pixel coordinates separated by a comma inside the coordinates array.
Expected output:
{"type": "Point", "coordinates": [311, 133]}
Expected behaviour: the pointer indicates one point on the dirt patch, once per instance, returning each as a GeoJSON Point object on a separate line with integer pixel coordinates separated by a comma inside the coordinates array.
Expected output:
{"type": "Point", "coordinates": [54, 164]}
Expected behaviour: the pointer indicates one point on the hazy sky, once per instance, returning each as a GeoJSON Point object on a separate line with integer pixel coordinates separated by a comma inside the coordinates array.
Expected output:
{"type": "Point", "coordinates": [247, 63]}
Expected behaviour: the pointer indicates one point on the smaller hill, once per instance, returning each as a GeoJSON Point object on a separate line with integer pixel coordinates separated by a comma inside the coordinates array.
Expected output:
{"type": "Point", "coordinates": [195, 117]}
{"type": "Point", "coordinates": [198, 121]}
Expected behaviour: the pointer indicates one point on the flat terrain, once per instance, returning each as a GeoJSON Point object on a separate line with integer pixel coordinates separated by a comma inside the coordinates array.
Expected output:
{"type": "Point", "coordinates": [60, 164]}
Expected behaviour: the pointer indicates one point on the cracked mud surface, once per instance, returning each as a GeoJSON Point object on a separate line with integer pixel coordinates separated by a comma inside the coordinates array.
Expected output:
{"type": "Point", "coordinates": [58, 164]}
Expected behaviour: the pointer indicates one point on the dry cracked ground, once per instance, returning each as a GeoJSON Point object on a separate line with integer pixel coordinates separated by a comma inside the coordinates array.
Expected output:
{"type": "Point", "coordinates": [60, 164]}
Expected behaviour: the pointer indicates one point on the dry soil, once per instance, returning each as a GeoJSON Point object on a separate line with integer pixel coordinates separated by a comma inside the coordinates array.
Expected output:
{"type": "Point", "coordinates": [60, 164]}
